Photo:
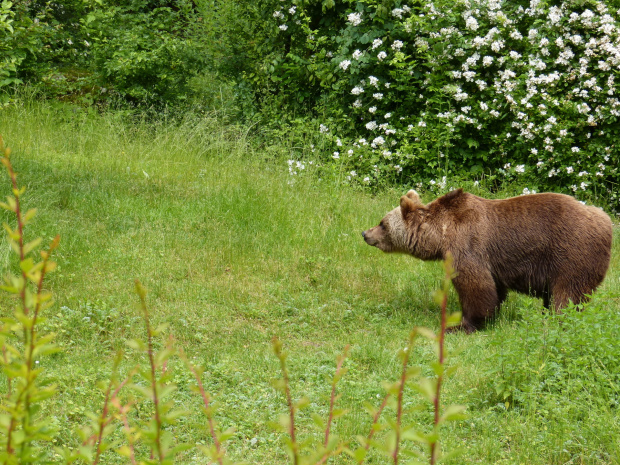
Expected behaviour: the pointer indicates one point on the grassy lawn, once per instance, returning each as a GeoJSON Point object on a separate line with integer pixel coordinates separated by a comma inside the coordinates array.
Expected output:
{"type": "Point", "coordinates": [233, 250]}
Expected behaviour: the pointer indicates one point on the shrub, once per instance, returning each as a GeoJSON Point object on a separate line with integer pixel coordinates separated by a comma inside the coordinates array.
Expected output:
{"type": "Point", "coordinates": [145, 51]}
{"type": "Point", "coordinates": [472, 88]}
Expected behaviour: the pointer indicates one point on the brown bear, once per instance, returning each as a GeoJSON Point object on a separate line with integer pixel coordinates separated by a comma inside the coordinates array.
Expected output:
{"type": "Point", "coordinates": [546, 245]}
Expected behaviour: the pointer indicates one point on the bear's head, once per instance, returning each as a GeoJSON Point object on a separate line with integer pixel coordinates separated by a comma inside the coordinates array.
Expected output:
{"type": "Point", "coordinates": [399, 229]}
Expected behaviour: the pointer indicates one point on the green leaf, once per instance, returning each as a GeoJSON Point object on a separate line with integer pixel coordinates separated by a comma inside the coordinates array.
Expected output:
{"type": "Point", "coordinates": [136, 344]}
{"type": "Point", "coordinates": [472, 143]}
{"type": "Point", "coordinates": [453, 413]}
{"type": "Point", "coordinates": [318, 421]}
{"type": "Point", "coordinates": [30, 214]}
{"type": "Point", "coordinates": [30, 246]}
{"type": "Point", "coordinates": [427, 387]}
{"type": "Point", "coordinates": [427, 333]}
{"type": "Point", "coordinates": [454, 319]}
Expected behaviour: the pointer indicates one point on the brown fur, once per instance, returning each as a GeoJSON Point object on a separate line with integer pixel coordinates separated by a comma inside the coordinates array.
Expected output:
{"type": "Point", "coordinates": [546, 245]}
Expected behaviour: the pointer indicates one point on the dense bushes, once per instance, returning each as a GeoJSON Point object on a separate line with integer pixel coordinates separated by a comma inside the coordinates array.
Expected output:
{"type": "Point", "coordinates": [513, 89]}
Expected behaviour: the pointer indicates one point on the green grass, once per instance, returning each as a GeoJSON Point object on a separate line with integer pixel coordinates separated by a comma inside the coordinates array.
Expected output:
{"type": "Point", "coordinates": [233, 251]}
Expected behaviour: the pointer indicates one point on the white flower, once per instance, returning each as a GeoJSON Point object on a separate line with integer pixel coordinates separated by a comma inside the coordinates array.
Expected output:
{"type": "Point", "coordinates": [487, 60]}
{"type": "Point", "coordinates": [323, 128]}
{"type": "Point", "coordinates": [388, 115]}
{"type": "Point", "coordinates": [357, 90]}
{"type": "Point", "coordinates": [336, 155]}
{"type": "Point", "coordinates": [338, 142]}
{"type": "Point", "coordinates": [353, 173]}
{"type": "Point", "coordinates": [516, 35]}
{"type": "Point", "coordinates": [471, 23]}
{"type": "Point", "coordinates": [355, 19]}
{"type": "Point", "coordinates": [371, 126]}
{"type": "Point", "coordinates": [372, 109]}
{"type": "Point", "coordinates": [376, 43]}
{"type": "Point", "coordinates": [520, 168]}
{"type": "Point", "coordinates": [378, 141]}
{"type": "Point", "coordinates": [575, 149]}
{"type": "Point", "coordinates": [357, 55]}
{"type": "Point", "coordinates": [373, 81]}
{"type": "Point", "coordinates": [378, 95]}
{"type": "Point", "coordinates": [283, 27]}
{"type": "Point", "coordinates": [397, 45]}
{"type": "Point", "coordinates": [357, 103]}
{"type": "Point", "coordinates": [497, 45]}
{"type": "Point", "coordinates": [344, 64]}
{"type": "Point", "coordinates": [583, 186]}
{"type": "Point", "coordinates": [398, 12]}
{"type": "Point", "coordinates": [292, 10]}
{"type": "Point", "coordinates": [367, 179]}
{"type": "Point", "coordinates": [460, 95]}
{"type": "Point", "coordinates": [507, 166]}
{"type": "Point", "coordinates": [422, 124]}
{"type": "Point", "coordinates": [555, 14]}
{"type": "Point", "coordinates": [569, 169]}
{"type": "Point", "coordinates": [381, 56]}
{"type": "Point", "coordinates": [278, 14]}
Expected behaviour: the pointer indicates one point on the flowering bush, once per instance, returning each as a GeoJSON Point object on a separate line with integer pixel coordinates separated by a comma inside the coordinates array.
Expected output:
{"type": "Point", "coordinates": [464, 88]}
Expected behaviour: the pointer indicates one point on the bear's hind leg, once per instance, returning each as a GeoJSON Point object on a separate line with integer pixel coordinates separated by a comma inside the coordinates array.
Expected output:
{"type": "Point", "coordinates": [561, 296]}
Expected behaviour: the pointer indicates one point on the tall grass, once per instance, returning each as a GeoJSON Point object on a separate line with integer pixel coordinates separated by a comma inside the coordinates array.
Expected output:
{"type": "Point", "coordinates": [234, 250]}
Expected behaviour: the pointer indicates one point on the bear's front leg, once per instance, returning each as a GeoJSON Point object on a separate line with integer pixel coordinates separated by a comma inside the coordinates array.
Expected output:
{"type": "Point", "coordinates": [478, 295]}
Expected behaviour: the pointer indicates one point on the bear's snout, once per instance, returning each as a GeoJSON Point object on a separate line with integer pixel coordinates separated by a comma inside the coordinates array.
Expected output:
{"type": "Point", "coordinates": [369, 237]}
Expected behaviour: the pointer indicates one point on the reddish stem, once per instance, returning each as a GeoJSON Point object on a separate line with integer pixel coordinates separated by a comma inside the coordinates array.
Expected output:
{"type": "Point", "coordinates": [205, 399]}
{"type": "Point", "coordinates": [104, 420]}
{"type": "Point", "coordinates": [289, 401]}
{"type": "Point", "coordinates": [399, 403]}
{"type": "Point", "coordinates": [123, 413]}
{"type": "Point", "coordinates": [332, 398]}
{"type": "Point", "coordinates": [442, 333]}
{"type": "Point", "coordinates": [375, 420]}
{"type": "Point", "coordinates": [149, 336]}
{"type": "Point", "coordinates": [6, 362]}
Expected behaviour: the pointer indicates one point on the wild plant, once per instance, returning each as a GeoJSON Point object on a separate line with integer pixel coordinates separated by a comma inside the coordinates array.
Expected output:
{"type": "Point", "coordinates": [22, 431]}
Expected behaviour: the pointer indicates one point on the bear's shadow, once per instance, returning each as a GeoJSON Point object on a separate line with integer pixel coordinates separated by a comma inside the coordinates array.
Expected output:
{"type": "Point", "coordinates": [416, 306]}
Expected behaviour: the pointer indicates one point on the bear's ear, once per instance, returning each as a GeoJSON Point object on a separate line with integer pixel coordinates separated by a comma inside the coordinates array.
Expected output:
{"type": "Point", "coordinates": [407, 205]}
{"type": "Point", "coordinates": [413, 195]}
